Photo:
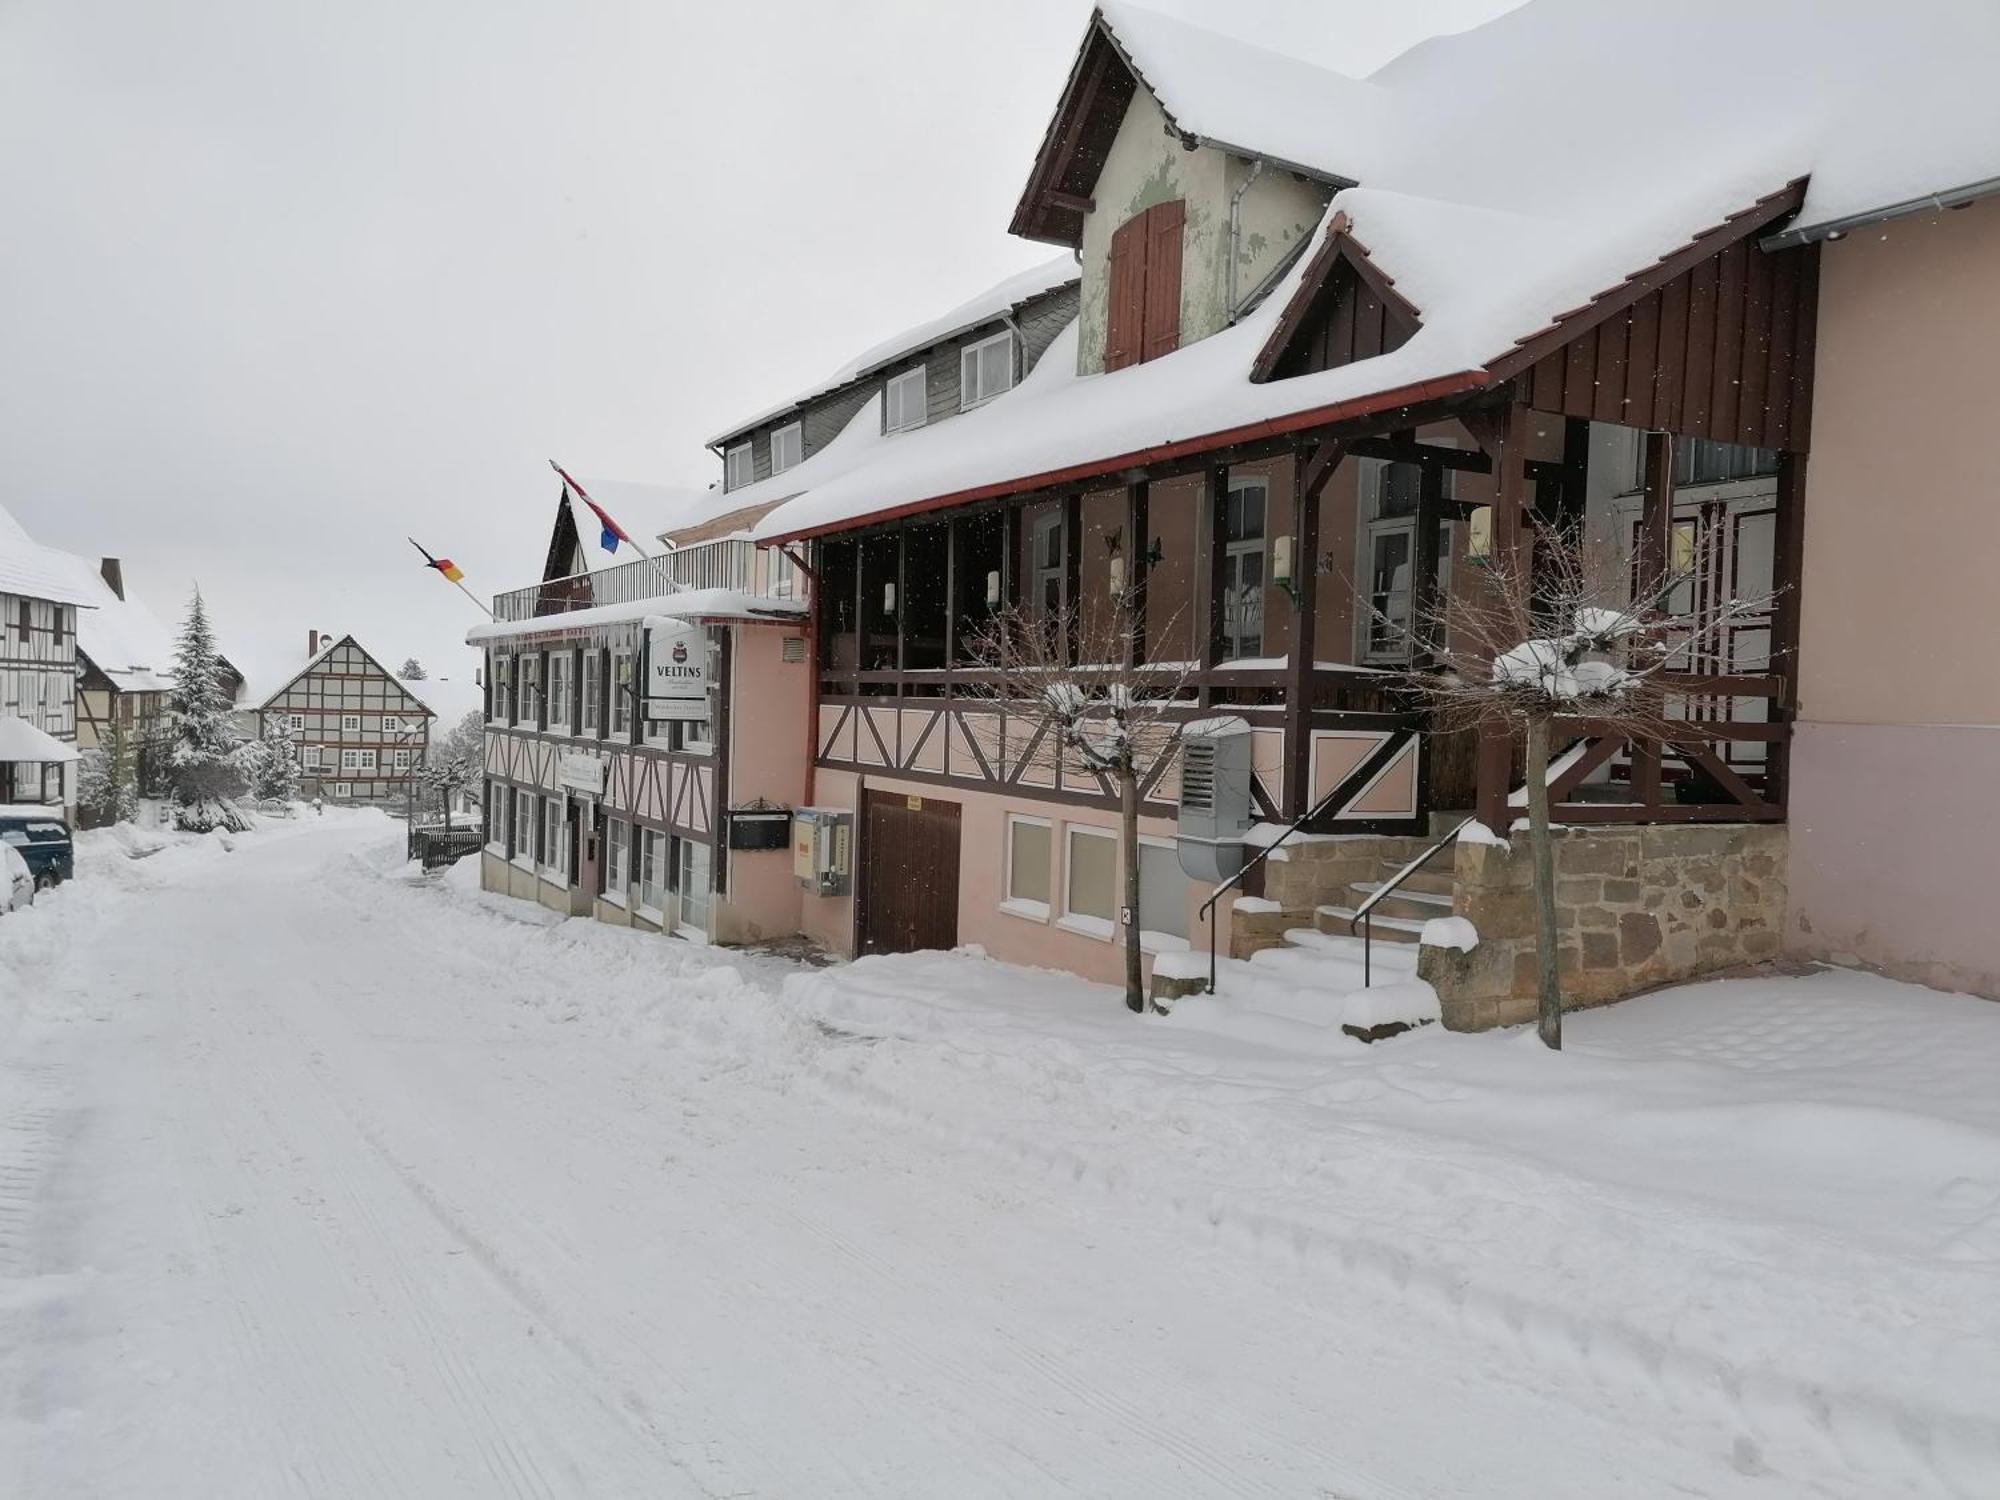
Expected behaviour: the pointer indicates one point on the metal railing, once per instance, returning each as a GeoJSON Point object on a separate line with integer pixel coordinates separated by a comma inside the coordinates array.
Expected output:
{"type": "Point", "coordinates": [726, 563]}
{"type": "Point", "coordinates": [1386, 889]}
{"type": "Point", "coordinates": [1207, 912]}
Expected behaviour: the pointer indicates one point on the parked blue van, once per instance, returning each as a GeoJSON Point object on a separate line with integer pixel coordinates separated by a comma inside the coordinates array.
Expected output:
{"type": "Point", "coordinates": [42, 839]}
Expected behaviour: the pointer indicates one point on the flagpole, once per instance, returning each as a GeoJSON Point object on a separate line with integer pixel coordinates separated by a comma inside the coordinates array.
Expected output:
{"type": "Point", "coordinates": [571, 484]}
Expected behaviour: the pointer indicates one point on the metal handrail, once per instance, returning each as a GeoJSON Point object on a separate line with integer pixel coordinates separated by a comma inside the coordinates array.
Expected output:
{"type": "Point", "coordinates": [1208, 907]}
{"type": "Point", "coordinates": [1388, 888]}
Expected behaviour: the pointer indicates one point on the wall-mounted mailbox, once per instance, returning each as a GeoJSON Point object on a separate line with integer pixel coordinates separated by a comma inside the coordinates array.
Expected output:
{"type": "Point", "coordinates": [760, 828]}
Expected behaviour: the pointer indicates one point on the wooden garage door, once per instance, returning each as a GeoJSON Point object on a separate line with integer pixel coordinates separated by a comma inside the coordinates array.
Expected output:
{"type": "Point", "coordinates": [909, 873]}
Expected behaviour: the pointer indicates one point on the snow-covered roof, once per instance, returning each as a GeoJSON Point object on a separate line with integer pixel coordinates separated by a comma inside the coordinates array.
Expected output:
{"type": "Point", "coordinates": [996, 301]}
{"type": "Point", "coordinates": [645, 510]}
{"type": "Point", "coordinates": [1256, 101]}
{"type": "Point", "coordinates": [681, 605]}
{"type": "Point", "coordinates": [1494, 232]}
{"type": "Point", "coordinates": [20, 740]}
{"type": "Point", "coordinates": [33, 571]}
{"type": "Point", "coordinates": [263, 699]}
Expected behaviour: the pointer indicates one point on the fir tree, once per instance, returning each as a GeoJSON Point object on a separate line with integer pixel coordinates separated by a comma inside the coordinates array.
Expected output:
{"type": "Point", "coordinates": [271, 764]}
{"type": "Point", "coordinates": [105, 789]}
{"type": "Point", "coordinates": [412, 670]}
{"type": "Point", "coordinates": [202, 775]}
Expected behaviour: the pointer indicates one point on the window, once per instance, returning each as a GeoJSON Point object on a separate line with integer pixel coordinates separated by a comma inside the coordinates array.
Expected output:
{"type": "Point", "coordinates": [905, 402]}
{"type": "Point", "coordinates": [554, 857]}
{"type": "Point", "coordinates": [738, 467]}
{"type": "Point", "coordinates": [697, 736]}
{"type": "Point", "coordinates": [593, 691]}
{"type": "Point", "coordinates": [295, 723]}
{"type": "Point", "coordinates": [617, 857]}
{"type": "Point", "coordinates": [692, 878]}
{"type": "Point", "coordinates": [1390, 495]}
{"type": "Point", "coordinates": [985, 369]}
{"type": "Point", "coordinates": [528, 689]}
{"type": "Point", "coordinates": [343, 789]}
{"type": "Point", "coordinates": [526, 825]}
{"type": "Point", "coordinates": [367, 759]}
{"type": "Point", "coordinates": [788, 446]}
{"type": "Point", "coordinates": [652, 870]}
{"type": "Point", "coordinates": [350, 760]}
{"type": "Point", "coordinates": [1143, 298]}
{"type": "Point", "coordinates": [313, 757]}
{"type": "Point", "coordinates": [391, 724]}
{"type": "Point", "coordinates": [621, 694]}
{"type": "Point", "coordinates": [1163, 890]}
{"type": "Point", "coordinates": [1090, 892]}
{"type": "Point", "coordinates": [502, 677]}
{"type": "Point", "coordinates": [402, 760]}
{"type": "Point", "coordinates": [1029, 845]}
{"type": "Point", "coordinates": [1050, 570]}
{"type": "Point", "coordinates": [351, 722]}
{"type": "Point", "coordinates": [1242, 579]}
{"type": "Point", "coordinates": [559, 710]}
{"type": "Point", "coordinates": [1703, 461]}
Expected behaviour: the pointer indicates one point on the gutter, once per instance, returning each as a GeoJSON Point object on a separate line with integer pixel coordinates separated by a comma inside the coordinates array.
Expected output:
{"type": "Point", "coordinates": [1833, 229]}
{"type": "Point", "coordinates": [1236, 234]}
{"type": "Point", "coordinates": [1318, 416]}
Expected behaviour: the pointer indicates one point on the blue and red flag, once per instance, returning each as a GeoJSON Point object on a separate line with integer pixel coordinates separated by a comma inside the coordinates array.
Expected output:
{"type": "Point", "coordinates": [612, 533]}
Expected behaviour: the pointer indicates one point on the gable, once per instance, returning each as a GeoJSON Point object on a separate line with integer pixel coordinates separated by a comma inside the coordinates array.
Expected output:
{"type": "Point", "coordinates": [1346, 310]}
{"type": "Point", "coordinates": [344, 677]}
{"type": "Point", "coordinates": [1078, 137]}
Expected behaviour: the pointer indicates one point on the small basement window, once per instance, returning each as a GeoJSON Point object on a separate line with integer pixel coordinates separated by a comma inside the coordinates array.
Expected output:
{"type": "Point", "coordinates": [1090, 894]}
{"type": "Point", "coordinates": [1029, 845]}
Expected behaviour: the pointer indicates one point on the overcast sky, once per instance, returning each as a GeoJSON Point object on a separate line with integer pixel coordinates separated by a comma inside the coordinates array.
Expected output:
{"type": "Point", "coordinates": [286, 280]}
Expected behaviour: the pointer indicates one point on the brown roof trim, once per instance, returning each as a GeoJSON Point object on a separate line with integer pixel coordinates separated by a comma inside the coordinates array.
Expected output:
{"type": "Point", "coordinates": [1339, 244]}
{"type": "Point", "coordinates": [1301, 421]}
{"type": "Point", "coordinates": [1038, 216]}
{"type": "Point", "coordinates": [1566, 326]}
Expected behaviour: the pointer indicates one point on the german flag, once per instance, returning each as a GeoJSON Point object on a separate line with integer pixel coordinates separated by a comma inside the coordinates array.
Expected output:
{"type": "Point", "coordinates": [451, 570]}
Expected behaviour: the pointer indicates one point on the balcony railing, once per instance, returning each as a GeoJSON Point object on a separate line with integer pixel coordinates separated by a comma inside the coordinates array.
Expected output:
{"type": "Point", "coordinates": [727, 563]}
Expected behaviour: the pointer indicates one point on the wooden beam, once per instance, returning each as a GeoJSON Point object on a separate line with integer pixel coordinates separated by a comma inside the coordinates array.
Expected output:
{"type": "Point", "coordinates": [1074, 202]}
{"type": "Point", "coordinates": [1400, 451]}
{"type": "Point", "coordinates": [1504, 435]}
{"type": "Point", "coordinates": [951, 526]}
{"type": "Point", "coordinates": [1656, 521]}
{"type": "Point", "coordinates": [1072, 524]}
{"type": "Point", "coordinates": [1212, 546]}
{"type": "Point", "coordinates": [1010, 557]}
{"type": "Point", "coordinates": [1311, 469]}
{"type": "Point", "coordinates": [1787, 574]}
{"type": "Point", "coordinates": [1424, 561]}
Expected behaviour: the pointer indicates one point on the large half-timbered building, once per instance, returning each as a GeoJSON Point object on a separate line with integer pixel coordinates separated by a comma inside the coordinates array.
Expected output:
{"type": "Point", "coordinates": [1333, 347]}
{"type": "Point", "coordinates": [362, 734]}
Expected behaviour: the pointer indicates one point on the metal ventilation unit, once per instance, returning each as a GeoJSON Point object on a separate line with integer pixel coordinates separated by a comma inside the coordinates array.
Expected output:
{"type": "Point", "coordinates": [1215, 799]}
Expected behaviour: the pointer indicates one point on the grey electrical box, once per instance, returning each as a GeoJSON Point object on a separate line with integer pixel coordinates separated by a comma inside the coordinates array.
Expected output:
{"type": "Point", "coordinates": [1215, 810]}
{"type": "Point", "coordinates": [823, 849]}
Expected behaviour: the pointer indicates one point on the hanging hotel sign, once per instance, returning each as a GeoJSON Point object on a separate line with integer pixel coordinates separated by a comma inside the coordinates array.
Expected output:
{"type": "Point", "coordinates": [677, 672]}
{"type": "Point", "coordinates": [581, 773]}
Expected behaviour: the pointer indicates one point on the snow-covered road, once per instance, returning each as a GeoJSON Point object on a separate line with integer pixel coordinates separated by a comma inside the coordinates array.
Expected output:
{"type": "Point", "coordinates": [312, 1183]}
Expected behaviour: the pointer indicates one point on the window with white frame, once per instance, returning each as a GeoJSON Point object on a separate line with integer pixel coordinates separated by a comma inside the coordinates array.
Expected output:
{"type": "Point", "coordinates": [1242, 582]}
{"type": "Point", "coordinates": [1390, 495]}
{"type": "Point", "coordinates": [350, 760]}
{"type": "Point", "coordinates": [1163, 890]}
{"type": "Point", "coordinates": [503, 675]}
{"type": "Point", "coordinates": [527, 823]}
{"type": "Point", "coordinates": [1090, 881]}
{"type": "Point", "coordinates": [692, 880]}
{"type": "Point", "coordinates": [367, 760]}
{"type": "Point", "coordinates": [528, 688]}
{"type": "Point", "coordinates": [351, 722]}
{"type": "Point", "coordinates": [617, 857]}
{"type": "Point", "coordinates": [653, 893]}
{"type": "Point", "coordinates": [592, 692]}
{"type": "Point", "coordinates": [555, 846]}
{"type": "Point", "coordinates": [1030, 845]}
{"type": "Point", "coordinates": [295, 723]}
{"type": "Point", "coordinates": [312, 757]}
{"type": "Point", "coordinates": [392, 724]}
{"type": "Point", "coordinates": [1050, 569]}
{"type": "Point", "coordinates": [621, 694]}
{"type": "Point", "coordinates": [905, 401]}
{"type": "Point", "coordinates": [343, 789]}
{"type": "Point", "coordinates": [985, 369]}
{"type": "Point", "coordinates": [402, 759]}
{"type": "Point", "coordinates": [788, 447]}
{"type": "Point", "coordinates": [739, 468]}
{"type": "Point", "coordinates": [559, 706]}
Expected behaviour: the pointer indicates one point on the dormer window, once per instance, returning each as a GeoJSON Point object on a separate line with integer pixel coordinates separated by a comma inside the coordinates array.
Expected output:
{"type": "Point", "coordinates": [788, 446]}
{"type": "Point", "coordinates": [905, 401]}
{"type": "Point", "coordinates": [738, 469]}
{"type": "Point", "coordinates": [985, 369]}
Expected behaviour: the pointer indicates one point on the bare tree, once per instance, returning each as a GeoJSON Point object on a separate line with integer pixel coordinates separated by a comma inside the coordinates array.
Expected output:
{"type": "Point", "coordinates": [1562, 631]}
{"type": "Point", "coordinates": [1068, 681]}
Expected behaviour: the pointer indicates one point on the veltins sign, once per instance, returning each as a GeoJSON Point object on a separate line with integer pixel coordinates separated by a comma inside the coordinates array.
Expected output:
{"type": "Point", "coordinates": [582, 773]}
{"type": "Point", "coordinates": [677, 672]}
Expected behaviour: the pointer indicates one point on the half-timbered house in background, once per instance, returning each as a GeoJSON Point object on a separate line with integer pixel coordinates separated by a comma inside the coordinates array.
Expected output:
{"type": "Point", "coordinates": [39, 603]}
{"type": "Point", "coordinates": [362, 732]}
{"type": "Point", "coordinates": [1336, 345]}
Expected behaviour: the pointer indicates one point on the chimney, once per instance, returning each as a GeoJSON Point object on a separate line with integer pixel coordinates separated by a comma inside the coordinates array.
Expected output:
{"type": "Point", "coordinates": [312, 643]}
{"type": "Point", "coordinates": [114, 575]}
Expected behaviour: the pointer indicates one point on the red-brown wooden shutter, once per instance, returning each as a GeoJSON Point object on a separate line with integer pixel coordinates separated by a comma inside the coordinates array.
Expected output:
{"type": "Point", "coordinates": [1161, 327]}
{"type": "Point", "coordinates": [1124, 302]}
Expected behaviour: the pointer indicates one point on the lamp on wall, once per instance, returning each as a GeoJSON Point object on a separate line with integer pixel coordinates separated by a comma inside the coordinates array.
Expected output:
{"type": "Point", "coordinates": [993, 589]}
{"type": "Point", "coordinates": [1115, 574]}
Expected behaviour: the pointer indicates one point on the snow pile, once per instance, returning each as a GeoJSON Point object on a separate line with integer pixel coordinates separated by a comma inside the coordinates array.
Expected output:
{"type": "Point", "coordinates": [1449, 932]}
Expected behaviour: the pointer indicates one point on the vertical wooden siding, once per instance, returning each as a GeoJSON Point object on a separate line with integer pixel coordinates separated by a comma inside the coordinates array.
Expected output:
{"type": "Point", "coordinates": [1722, 352]}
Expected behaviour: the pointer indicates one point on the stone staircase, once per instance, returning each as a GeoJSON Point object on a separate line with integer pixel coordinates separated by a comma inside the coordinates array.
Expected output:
{"type": "Point", "coordinates": [1314, 885]}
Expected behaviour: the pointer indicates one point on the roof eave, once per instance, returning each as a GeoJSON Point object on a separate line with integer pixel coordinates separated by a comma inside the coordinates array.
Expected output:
{"type": "Point", "coordinates": [1833, 229]}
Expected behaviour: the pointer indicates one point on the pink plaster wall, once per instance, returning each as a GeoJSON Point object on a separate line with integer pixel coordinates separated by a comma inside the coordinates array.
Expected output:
{"type": "Point", "coordinates": [768, 735]}
{"type": "Point", "coordinates": [1895, 799]}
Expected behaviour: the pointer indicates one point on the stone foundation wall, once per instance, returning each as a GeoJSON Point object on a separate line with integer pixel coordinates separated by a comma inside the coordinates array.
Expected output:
{"type": "Point", "coordinates": [1635, 907]}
